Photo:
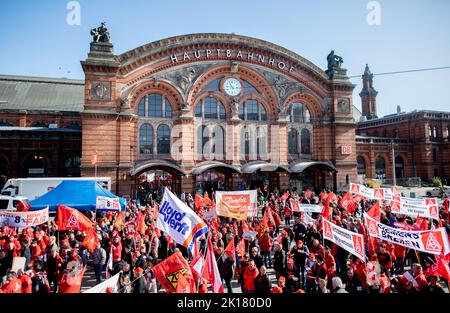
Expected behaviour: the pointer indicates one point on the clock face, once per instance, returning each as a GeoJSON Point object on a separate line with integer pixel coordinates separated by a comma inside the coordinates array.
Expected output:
{"type": "Point", "coordinates": [232, 86]}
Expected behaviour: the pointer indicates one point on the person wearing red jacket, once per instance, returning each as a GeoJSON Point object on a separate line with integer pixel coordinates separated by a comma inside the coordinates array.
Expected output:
{"type": "Point", "coordinates": [400, 254]}
{"type": "Point", "coordinates": [26, 281]}
{"type": "Point", "coordinates": [38, 236]}
{"type": "Point", "coordinates": [13, 284]}
{"type": "Point", "coordinates": [35, 252]}
{"type": "Point", "coordinates": [116, 246]}
{"type": "Point", "coordinates": [287, 213]}
{"type": "Point", "coordinates": [249, 277]}
{"type": "Point", "coordinates": [419, 276]}
{"type": "Point", "coordinates": [331, 265]}
{"type": "Point", "coordinates": [266, 244]}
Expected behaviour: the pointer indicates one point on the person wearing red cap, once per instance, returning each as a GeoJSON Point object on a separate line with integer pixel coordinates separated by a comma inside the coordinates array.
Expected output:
{"type": "Point", "coordinates": [139, 284]}
{"type": "Point", "coordinates": [300, 253]}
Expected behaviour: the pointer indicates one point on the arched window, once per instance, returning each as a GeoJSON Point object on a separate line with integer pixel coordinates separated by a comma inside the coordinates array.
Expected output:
{"type": "Point", "coordinates": [399, 167]}
{"type": "Point", "coordinates": [293, 141]}
{"type": "Point", "coordinates": [380, 167]}
{"type": "Point", "coordinates": [210, 108]}
{"type": "Point", "coordinates": [306, 141]}
{"type": "Point", "coordinates": [154, 105]}
{"type": "Point", "coordinates": [300, 113]}
{"type": "Point", "coordinates": [361, 165]}
{"type": "Point", "coordinates": [245, 143]}
{"type": "Point", "coordinates": [146, 139]}
{"type": "Point", "coordinates": [252, 110]}
{"type": "Point", "coordinates": [163, 133]}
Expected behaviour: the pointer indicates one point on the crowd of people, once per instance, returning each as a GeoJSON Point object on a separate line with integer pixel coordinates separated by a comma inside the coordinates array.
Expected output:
{"type": "Point", "coordinates": [290, 245]}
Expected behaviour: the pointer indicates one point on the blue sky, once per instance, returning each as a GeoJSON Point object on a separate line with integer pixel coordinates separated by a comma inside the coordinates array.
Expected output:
{"type": "Point", "coordinates": [37, 41]}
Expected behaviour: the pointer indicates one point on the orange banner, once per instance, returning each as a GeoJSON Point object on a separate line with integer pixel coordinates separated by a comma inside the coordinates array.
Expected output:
{"type": "Point", "coordinates": [236, 204]}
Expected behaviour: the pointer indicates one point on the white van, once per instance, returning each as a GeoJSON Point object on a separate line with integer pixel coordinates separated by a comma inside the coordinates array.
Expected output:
{"type": "Point", "coordinates": [10, 204]}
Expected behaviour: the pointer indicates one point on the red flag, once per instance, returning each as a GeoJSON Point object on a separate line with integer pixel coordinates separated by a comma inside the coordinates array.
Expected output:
{"type": "Point", "coordinates": [240, 248]}
{"type": "Point", "coordinates": [199, 202]}
{"type": "Point", "coordinates": [231, 249]}
{"type": "Point", "coordinates": [285, 196]}
{"type": "Point", "coordinates": [357, 198]}
{"type": "Point", "coordinates": [23, 206]}
{"type": "Point", "coordinates": [210, 270]}
{"type": "Point", "coordinates": [71, 219]}
{"type": "Point", "coordinates": [168, 270]}
{"type": "Point", "coordinates": [197, 264]}
{"type": "Point", "coordinates": [94, 157]}
{"type": "Point", "coordinates": [346, 201]}
{"type": "Point", "coordinates": [420, 224]}
{"type": "Point", "coordinates": [71, 281]}
{"type": "Point", "coordinates": [323, 196]}
{"type": "Point", "coordinates": [374, 211]}
{"type": "Point", "coordinates": [440, 268]}
{"type": "Point", "coordinates": [446, 203]}
{"type": "Point", "coordinates": [140, 222]}
{"type": "Point", "coordinates": [183, 285]}
{"type": "Point", "coordinates": [308, 193]}
{"type": "Point", "coordinates": [91, 240]}
{"type": "Point", "coordinates": [326, 212]}
{"type": "Point", "coordinates": [206, 199]}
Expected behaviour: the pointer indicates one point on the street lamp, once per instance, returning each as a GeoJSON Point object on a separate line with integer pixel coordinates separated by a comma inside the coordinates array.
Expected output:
{"type": "Point", "coordinates": [393, 164]}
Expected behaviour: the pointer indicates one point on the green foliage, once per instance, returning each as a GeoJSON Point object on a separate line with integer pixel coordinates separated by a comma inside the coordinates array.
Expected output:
{"type": "Point", "coordinates": [436, 181]}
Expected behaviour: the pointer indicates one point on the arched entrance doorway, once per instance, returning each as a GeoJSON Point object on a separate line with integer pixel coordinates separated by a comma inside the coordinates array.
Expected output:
{"type": "Point", "coordinates": [399, 169]}
{"type": "Point", "coordinates": [314, 175]}
{"type": "Point", "coordinates": [35, 165]}
{"type": "Point", "coordinates": [260, 173]}
{"type": "Point", "coordinates": [380, 168]}
{"type": "Point", "coordinates": [213, 175]}
{"type": "Point", "coordinates": [151, 177]}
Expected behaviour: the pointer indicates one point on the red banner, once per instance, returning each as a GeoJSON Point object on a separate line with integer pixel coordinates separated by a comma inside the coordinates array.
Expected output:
{"type": "Point", "coordinates": [168, 270]}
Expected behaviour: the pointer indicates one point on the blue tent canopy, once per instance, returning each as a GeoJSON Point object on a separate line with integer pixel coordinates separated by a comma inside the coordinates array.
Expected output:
{"type": "Point", "coordinates": [80, 195]}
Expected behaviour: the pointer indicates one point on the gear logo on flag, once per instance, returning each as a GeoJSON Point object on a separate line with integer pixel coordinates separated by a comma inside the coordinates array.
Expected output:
{"type": "Point", "coordinates": [357, 243]}
{"type": "Point", "coordinates": [328, 232]}
{"type": "Point", "coordinates": [434, 211]}
{"type": "Point", "coordinates": [379, 193]}
{"type": "Point", "coordinates": [373, 228]}
{"type": "Point", "coordinates": [395, 207]}
{"type": "Point", "coordinates": [432, 243]}
{"type": "Point", "coordinates": [172, 278]}
{"type": "Point", "coordinates": [355, 188]}
{"type": "Point", "coordinates": [72, 222]}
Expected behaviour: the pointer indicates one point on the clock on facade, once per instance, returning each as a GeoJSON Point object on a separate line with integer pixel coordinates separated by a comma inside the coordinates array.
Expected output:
{"type": "Point", "coordinates": [232, 86]}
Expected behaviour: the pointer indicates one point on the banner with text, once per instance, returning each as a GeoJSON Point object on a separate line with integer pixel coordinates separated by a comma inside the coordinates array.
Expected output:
{"type": "Point", "coordinates": [24, 219]}
{"type": "Point", "coordinates": [237, 204]}
{"type": "Point", "coordinates": [106, 203]}
{"type": "Point", "coordinates": [347, 240]}
{"type": "Point", "coordinates": [427, 208]}
{"type": "Point", "coordinates": [430, 241]}
{"type": "Point", "coordinates": [310, 208]}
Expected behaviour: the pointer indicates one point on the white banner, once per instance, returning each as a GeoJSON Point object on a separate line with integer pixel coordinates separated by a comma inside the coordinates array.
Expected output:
{"type": "Point", "coordinates": [247, 234]}
{"type": "Point", "coordinates": [24, 219]}
{"type": "Point", "coordinates": [430, 241]}
{"type": "Point", "coordinates": [361, 190]}
{"type": "Point", "coordinates": [109, 283]}
{"type": "Point", "coordinates": [310, 208]}
{"type": "Point", "coordinates": [106, 203]}
{"type": "Point", "coordinates": [178, 220]}
{"type": "Point", "coordinates": [347, 240]}
{"type": "Point", "coordinates": [427, 208]}
{"type": "Point", "coordinates": [308, 219]}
